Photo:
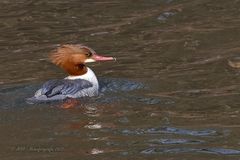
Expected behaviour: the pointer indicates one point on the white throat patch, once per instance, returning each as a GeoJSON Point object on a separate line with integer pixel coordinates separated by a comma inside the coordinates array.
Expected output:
{"type": "Point", "coordinates": [89, 76]}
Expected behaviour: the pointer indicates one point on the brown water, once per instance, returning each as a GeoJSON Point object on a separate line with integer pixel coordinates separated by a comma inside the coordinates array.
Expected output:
{"type": "Point", "coordinates": [170, 95]}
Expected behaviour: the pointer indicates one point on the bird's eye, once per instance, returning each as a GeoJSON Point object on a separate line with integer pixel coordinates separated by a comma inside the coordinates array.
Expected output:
{"type": "Point", "coordinates": [88, 54]}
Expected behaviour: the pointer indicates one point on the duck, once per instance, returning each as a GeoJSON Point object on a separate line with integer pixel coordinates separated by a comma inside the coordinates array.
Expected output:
{"type": "Point", "coordinates": [81, 80]}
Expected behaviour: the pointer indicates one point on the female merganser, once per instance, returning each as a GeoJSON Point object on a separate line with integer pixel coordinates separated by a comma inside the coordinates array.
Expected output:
{"type": "Point", "coordinates": [81, 81]}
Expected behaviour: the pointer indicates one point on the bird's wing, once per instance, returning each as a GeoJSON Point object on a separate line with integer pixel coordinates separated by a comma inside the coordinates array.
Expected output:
{"type": "Point", "coordinates": [64, 87]}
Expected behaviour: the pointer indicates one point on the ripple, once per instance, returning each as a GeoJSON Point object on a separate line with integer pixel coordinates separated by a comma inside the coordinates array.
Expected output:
{"type": "Point", "coordinates": [94, 126]}
{"type": "Point", "coordinates": [221, 151]}
{"type": "Point", "coordinates": [171, 130]}
{"type": "Point", "coordinates": [117, 85]}
{"type": "Point", "coordinates": [175, 141]}
{"type": "Point", "coordinates": [96, 151]}
{"type": "Point", "coordinates": [148, 100]}
{"type": "Point", "coordinates": [165, 15]}
{"type": "Point", "coordinates": [167, 150]}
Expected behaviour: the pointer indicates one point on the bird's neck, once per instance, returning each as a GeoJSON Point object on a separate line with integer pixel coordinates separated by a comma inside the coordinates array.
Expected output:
{"type": "Point", "coordinates": [89, 76]}
{"type": "Point", "coordinates": [75, 70]}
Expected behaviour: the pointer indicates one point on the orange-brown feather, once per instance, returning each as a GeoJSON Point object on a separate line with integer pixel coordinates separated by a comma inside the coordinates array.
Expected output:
{"type": "Point", "coordinates": [71, 58]}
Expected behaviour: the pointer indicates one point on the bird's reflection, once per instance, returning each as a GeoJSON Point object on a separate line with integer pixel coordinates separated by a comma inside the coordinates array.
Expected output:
{"type": "Point", "coordinates": [89, 123]}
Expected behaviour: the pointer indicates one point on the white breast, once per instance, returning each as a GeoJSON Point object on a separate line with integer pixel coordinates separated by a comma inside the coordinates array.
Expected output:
{"type": "Point", "coordinates": [91, 77]}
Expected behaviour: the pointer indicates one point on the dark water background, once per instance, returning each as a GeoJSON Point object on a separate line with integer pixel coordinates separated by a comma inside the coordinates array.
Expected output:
{"type": "Point", "coordinates": [170, 95]}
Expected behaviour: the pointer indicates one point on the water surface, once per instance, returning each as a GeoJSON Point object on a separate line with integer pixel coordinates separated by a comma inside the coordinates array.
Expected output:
{"type": "Point", "coordinates": [170, 95]}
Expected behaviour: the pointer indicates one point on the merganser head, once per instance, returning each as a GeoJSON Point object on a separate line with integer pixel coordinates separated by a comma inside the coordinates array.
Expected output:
{"type": "Point", "coordinates": [72, 58]}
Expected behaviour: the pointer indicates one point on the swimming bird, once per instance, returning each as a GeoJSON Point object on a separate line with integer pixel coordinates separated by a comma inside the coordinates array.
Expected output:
{"type": "Point", "coordinates": [81, 81]}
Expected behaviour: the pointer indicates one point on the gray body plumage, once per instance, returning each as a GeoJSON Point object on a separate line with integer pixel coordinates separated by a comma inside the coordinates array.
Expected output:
{"type": "Point", "coordinates": [70, 87]}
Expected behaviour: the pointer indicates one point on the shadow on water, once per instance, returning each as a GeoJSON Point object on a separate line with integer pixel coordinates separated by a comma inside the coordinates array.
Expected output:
{"type": "Point", "coordinates": [16, 96]}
